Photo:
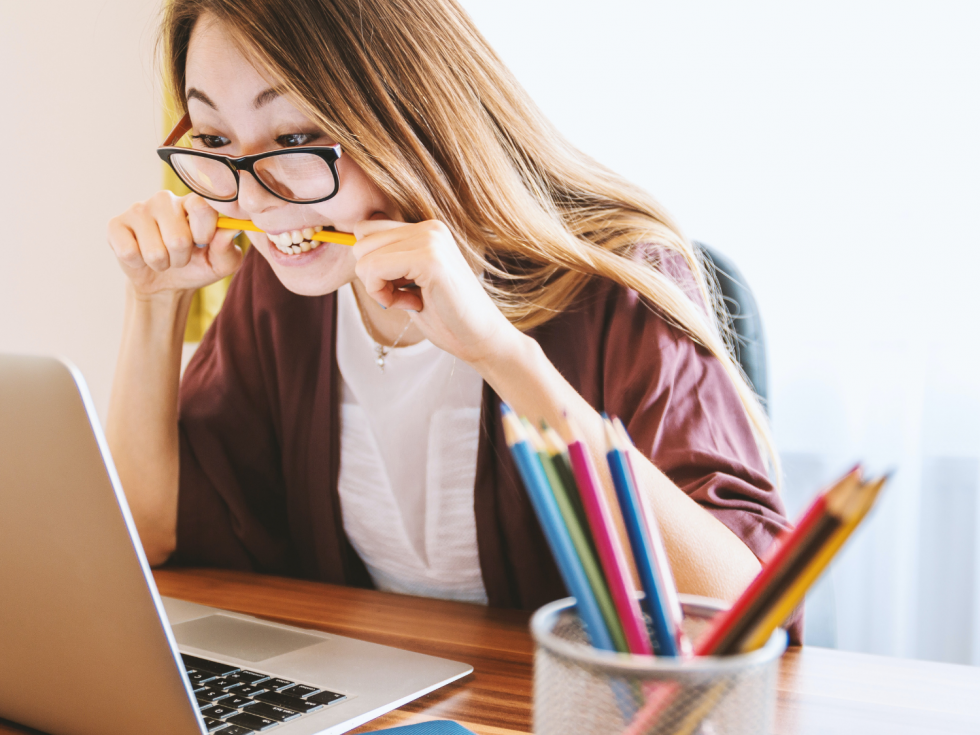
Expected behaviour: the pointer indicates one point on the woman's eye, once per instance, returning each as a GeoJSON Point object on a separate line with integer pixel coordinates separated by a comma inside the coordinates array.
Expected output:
{"type": "Point", "coordinates": [212, 141]}
{"type": "Point", "coordinates": [297, 139]}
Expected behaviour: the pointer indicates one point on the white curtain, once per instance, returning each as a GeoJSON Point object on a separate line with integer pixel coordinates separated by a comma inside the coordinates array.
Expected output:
{"type": "Point", "coordinates": [906, 584]}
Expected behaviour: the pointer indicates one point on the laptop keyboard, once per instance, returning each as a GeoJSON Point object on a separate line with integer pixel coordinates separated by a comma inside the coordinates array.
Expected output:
{"type": "Point", "coordinates": [237, 701]}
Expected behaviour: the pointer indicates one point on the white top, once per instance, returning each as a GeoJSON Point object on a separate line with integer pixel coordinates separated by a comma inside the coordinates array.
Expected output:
{"type": "Point", "coordinates": [408, 462]}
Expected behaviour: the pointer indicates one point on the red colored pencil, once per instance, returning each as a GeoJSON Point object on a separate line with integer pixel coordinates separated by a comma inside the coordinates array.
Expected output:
{"type": "Point", "coordinates": [788, 548]}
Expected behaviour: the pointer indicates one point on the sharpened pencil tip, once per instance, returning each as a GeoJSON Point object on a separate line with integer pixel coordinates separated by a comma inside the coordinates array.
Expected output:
{"type": "Point", "coordinates": [553, 440]}
{"type": "Point", "coordinates": [610, 431]}
{"type": "Point", "coordinates": [513, 431]}
{"type": "Point", "coordinates": [566, 428]}
{"type": "Point", "coordinates": [624, 435]}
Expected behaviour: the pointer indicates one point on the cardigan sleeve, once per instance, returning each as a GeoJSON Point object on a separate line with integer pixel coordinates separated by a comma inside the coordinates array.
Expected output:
{"type": "Point", "coordinates": [229, 511]}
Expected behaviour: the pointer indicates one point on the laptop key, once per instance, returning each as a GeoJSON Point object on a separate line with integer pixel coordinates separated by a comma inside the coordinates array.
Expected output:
{"type": "Point", "coordinates": [237, 701]}
{"type": "Point", "coordinates": [250, 690]}
{"type": "Point", "coordinates": [203, 664]}
{"type": "Point", "coordinates": [294, 703]}
{"type": "Point", "coordinates": [224, 682]}
{"type": "Point", "coordinates": [326, 697]}
{"type": "Point", "coordinates": [235, 730]}
{"type": "Point", "coordinates": [279, 714]}
{"type": "Point", "coordinates": [277, 684]}
{"type": "Point", "coordinates": [252, 722]}
{"type": "Point", "coordinates": [247, 677]}
{"type": "Point", "coordinates": [300, 690]}
{"type": "Point", "coordinates": [221, 712]}
{"type": "Point", "coordinates": [211, 695]}
{"type": "Point", "coordinates": [213, 724]}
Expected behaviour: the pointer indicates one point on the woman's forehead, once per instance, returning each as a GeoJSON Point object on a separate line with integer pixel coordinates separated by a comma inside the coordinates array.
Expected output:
{"type": "Point", "coordinates": [220, 72]}
{"type": "Point", "coordinates": [215, 62]}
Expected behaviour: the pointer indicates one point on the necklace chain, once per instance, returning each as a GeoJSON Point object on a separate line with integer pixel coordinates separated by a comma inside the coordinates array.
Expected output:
{"type": "Point", "coordinates": [379, 349]}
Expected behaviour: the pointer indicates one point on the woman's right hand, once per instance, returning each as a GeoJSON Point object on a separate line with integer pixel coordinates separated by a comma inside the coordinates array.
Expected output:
{"type": "Point", "coordinates": [156, 243]}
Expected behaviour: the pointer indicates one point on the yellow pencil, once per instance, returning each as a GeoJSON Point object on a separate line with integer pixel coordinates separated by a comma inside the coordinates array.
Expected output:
{"type": "Point", "coordinates": [339, 238]}
{"type": "Point", "coordinates": [795, 593]}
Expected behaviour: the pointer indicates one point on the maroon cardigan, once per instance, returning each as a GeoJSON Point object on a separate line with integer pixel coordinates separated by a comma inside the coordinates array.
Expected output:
{"type": "Point", "coordinates": [260, 437]}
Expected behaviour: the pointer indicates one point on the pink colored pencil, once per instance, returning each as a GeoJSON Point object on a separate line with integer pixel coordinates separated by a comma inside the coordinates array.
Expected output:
{"type": "Point", "coordinates": [608, 544]}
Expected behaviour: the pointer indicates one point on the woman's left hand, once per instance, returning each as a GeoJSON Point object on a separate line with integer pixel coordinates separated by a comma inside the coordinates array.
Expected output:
{"type": "Point", "coordinates": [452, 309]}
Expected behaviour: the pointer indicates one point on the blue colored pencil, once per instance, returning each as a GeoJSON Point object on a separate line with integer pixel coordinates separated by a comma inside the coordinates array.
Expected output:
{"type": "Point", "coordinates": [655, 601]}
{"type": "Point", "coordinates": [661, 563]}
{"type": "Point", "coordinates": [555, 531]}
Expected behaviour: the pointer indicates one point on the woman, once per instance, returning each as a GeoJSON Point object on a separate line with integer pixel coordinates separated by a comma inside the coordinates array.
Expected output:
{"type": "Point", "coordinates": [340, 420]}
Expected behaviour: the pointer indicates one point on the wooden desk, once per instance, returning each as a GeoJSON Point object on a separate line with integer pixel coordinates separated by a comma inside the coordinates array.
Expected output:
{"type": "Point", "coordinates": [820, 690]}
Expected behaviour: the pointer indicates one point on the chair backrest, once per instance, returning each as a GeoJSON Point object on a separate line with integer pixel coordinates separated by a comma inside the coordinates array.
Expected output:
{"type": "Point", "coordinates": [750, 342]}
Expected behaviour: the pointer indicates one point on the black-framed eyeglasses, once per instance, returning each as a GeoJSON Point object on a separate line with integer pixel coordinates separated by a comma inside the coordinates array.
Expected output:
{"type": "Point", "coordinates": [302, 175]}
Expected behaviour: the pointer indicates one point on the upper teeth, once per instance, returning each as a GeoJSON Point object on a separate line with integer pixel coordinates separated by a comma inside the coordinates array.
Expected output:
{"type": "Point", "coordinates": [297, 241]}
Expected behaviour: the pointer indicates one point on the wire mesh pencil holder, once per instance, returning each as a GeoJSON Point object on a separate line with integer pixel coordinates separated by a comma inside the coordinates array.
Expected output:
{"type": "Point", "coordinates": [579, 690]}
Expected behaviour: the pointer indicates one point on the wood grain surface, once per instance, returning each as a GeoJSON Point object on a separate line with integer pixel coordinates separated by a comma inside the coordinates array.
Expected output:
{"type": "Point", "coordinates": [820, 690]}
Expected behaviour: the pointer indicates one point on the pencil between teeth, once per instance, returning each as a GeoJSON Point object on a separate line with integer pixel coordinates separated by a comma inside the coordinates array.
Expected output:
{"type": "Point", "coordinates": [338, 238]}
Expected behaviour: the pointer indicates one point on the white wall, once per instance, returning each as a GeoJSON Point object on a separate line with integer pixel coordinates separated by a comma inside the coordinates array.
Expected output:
{"type": "Point", "coordinates": [79, 124]}
{"type": "Point", "coordinates": [831, 149]}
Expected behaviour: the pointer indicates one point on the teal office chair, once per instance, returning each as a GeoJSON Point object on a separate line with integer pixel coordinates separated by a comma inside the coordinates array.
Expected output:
{"type": "Point", "coordinates": [750, 341]}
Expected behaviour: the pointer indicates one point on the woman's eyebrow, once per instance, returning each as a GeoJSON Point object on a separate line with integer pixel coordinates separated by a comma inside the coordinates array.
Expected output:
{"type": "Point", "coordinates": [196, 94]}
{"type": "Point", "coordinates": [266, 97]}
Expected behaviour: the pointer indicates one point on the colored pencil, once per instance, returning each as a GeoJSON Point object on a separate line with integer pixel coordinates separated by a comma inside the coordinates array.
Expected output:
{"type": "Point", "coordinates": [586, 556]}
{"type": "Point", "coordinates": [661, 562]}
{"type": "Point", "coordinates": [793, 595]}
{"type": "Point", "coordinates": [727, 628]}
{"type": "Point", "coordinates": [555, 532]}
{"type": "Point", "coordinates": [608, 543]}
{"type": "Point", "coordinates": [339, 238]}
{"type": "Point", "coordinates": [559, 454]}
{"type": "Point", "coordinates": [849, 500]}
{"type": "Point", "coordinates": [664, 634]}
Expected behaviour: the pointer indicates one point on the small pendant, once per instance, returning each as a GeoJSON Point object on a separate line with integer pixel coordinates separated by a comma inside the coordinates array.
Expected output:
{"type": "Point", "coordinates": [381, 357]}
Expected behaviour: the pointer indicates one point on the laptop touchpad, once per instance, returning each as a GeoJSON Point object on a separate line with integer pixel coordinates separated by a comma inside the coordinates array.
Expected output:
{"type": "Point", "coordinates": [241, 639]}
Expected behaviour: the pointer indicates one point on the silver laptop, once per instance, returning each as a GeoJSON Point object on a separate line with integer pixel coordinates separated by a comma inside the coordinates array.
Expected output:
{"type": "Point", "coordinates": [87, 645]}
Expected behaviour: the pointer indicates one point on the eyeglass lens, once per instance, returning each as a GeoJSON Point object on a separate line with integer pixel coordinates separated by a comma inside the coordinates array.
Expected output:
{"type": "Point", "coordinates": [296, 176]}
{"type": "Point", "coordinates": [209, 178]}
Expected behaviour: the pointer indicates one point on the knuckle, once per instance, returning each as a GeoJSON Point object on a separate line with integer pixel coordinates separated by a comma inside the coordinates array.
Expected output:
{"type": "Point", "coordinates": [156, 260]}
{"type": "Point", "coordinates": [180, 243]}
{"type": "Point", "coordinates": [436, 227]}
{"type": "Point", "coordinates": [162, 197]}
{"type": "Point", "coordinates": [130, 255]}
{"type": "Point", "coordinates": [195, 201]}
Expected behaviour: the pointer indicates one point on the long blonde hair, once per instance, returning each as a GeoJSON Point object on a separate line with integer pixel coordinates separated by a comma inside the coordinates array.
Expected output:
{"type": "Point", "coordinates": [418, 99]}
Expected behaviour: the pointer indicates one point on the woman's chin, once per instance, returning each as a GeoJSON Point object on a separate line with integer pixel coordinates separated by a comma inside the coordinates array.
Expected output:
{"type": "Point", "coordinates": [313, 273]}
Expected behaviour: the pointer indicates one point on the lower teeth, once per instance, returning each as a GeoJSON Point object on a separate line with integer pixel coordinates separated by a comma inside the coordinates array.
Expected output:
{"type": "Point", "coordinates": [298, 249]}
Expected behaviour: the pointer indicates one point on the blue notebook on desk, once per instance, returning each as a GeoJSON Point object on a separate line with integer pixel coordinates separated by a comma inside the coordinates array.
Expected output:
{"type": "Point", "coordinates": [436, 727]}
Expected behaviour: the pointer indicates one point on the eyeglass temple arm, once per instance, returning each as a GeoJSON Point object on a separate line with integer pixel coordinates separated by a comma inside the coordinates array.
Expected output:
{"type": "Point", "coordinates": [179, 130]}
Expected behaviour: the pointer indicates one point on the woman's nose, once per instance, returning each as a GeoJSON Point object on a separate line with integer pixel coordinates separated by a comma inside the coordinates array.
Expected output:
{"type": "Point", "coordinates": [252, 196]}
